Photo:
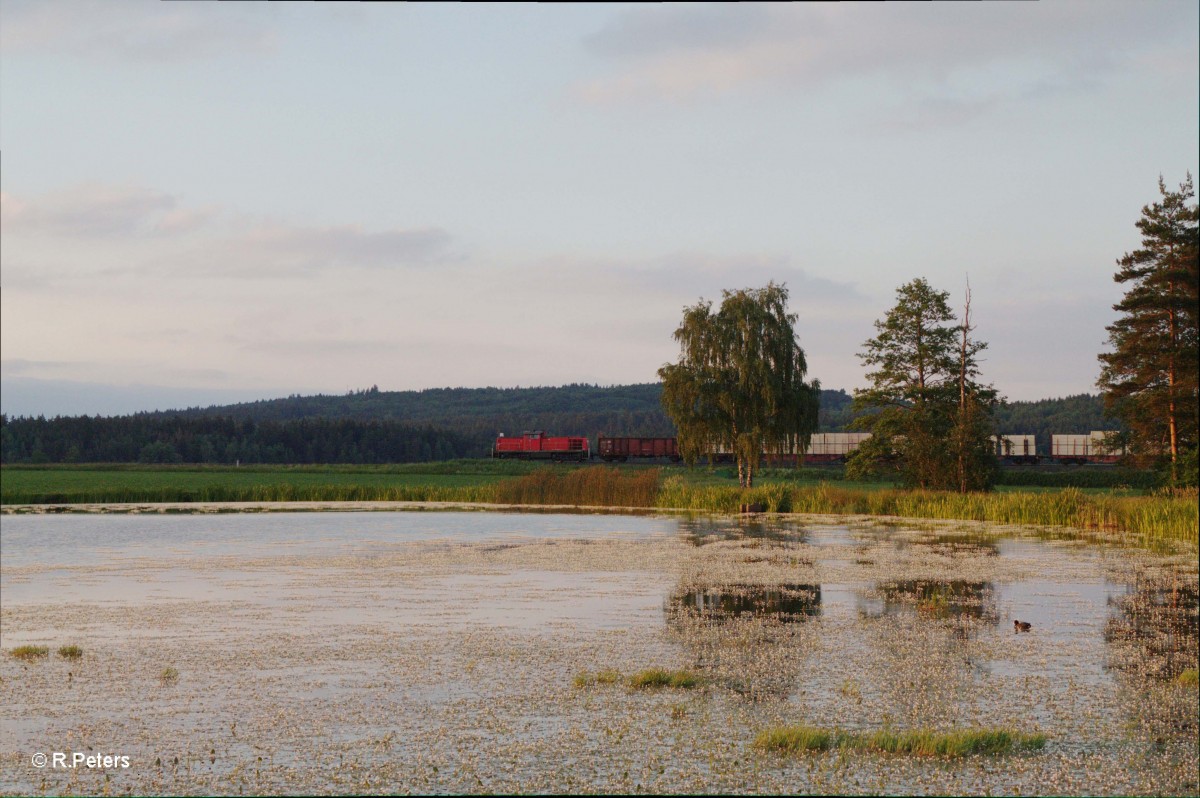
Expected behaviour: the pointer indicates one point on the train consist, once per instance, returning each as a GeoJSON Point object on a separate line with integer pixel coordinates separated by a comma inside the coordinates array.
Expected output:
{"type": "Point", "coordinates": [824, 447]}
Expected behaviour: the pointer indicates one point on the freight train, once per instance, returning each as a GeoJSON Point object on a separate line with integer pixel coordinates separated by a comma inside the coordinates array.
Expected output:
{"type": "Point", "coordinates": [823, 447]}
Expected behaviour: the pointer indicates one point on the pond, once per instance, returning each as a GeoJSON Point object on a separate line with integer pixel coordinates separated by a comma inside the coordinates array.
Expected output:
{"type": "Point", "coordinates": [440, 652]}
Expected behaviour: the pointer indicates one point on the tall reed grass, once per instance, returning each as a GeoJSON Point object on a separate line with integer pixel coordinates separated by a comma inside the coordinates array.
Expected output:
{"type": "Point", "coordinates": [595, 486]}
{"type": "Point", "coordinates": [1152, 521]}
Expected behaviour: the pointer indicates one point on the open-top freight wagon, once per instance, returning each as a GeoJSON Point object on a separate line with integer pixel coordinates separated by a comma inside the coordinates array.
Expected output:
{"type": "Point", "coordinates": [621, 449]}
{"type": "Point", "coordinates": [536, 446]}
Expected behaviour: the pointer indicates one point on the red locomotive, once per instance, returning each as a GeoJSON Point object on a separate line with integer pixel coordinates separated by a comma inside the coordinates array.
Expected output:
{"type": "Point", "coordinates": [536, 446]}
{"type": "Point", "coordinates": [621, 449]}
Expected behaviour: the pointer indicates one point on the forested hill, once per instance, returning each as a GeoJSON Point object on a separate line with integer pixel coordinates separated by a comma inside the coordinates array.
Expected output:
{"type": "Point", "coordinates": [592, 409]}
{"type": "Point", "coordinates": [373, 426]}
{"type": "Point", "coordinates": [578, 409]}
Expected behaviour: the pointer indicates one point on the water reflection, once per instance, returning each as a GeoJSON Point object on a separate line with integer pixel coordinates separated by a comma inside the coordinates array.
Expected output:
{"type": "Point", "coordinates": [949, 544]}
{"type": "Point", "coordinates": [966, 603]}
{"type": "Point", "coordinates": [787, 603]}
{"type": "Point", "coordinates": [1154, 629]}
{"type": "Point", "coordinates": [703, 530]}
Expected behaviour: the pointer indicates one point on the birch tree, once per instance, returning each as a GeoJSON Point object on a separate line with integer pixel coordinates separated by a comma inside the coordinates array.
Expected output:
{"type": "Point", "coordinates": [739, 384]}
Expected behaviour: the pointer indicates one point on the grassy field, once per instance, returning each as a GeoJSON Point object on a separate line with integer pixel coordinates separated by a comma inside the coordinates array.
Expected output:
{"type": "Point", "coordinates": [1126, 514]}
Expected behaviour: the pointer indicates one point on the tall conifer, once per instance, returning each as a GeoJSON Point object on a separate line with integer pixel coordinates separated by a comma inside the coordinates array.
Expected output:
{"type": "Point", "coordinates": [1149, 380]}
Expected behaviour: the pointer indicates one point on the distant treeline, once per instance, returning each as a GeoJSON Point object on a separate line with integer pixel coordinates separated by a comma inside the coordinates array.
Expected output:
{"type": "Point", "coordinates": [165, 439]}
{"type": "Point", "coordinates": [373, 426]}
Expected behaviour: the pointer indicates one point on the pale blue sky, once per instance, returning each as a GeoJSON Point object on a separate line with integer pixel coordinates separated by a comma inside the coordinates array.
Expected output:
{"type": "Point", "coordinates": [216, 200]}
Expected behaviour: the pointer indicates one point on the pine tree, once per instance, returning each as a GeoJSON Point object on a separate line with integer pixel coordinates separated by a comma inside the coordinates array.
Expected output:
{"type": "Point", "coordinates": [1149, 380]}
{"type": "Point", "coordinates": [928, 416]}
{"type": "Point", "coordinates": [739, 383]}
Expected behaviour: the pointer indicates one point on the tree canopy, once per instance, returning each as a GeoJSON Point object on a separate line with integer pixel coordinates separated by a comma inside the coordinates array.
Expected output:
{"type": "Point", "coordinates": [739, 384]}
{"type": "Point", "coordinates": [1149, 380]}
{"type": "Point", "coordinates": [929, 416]}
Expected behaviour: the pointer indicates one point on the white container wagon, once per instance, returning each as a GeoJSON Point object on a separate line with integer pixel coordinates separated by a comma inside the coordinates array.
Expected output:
{"type": "Point", "coordinates": [1020, 449]}
{"type": "Point", "coordinates": [833, 447]}
{"type": "Point", "coordinates": [1093, 447]}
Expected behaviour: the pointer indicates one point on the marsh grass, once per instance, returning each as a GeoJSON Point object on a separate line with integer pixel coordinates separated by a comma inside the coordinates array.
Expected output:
{"type": "Point", "coordinates": [589, 679]}
{"type": "Point", "coordinates": [30, 653]}
{"type": "Point", "coordinates": [969, 742]}
{"type": "Point", "coordinates": [168, 677]}
{"type": "Point", "coordinates": [596, 486]}
{"type": "Point", "coordinates": [1188, 678]}
{"type": "Point", "coordinates": [651, 678]}
{"type": "Point", "coordinates": [1155, 522]}
{"type": "Point", "coordinates": [70, 652]}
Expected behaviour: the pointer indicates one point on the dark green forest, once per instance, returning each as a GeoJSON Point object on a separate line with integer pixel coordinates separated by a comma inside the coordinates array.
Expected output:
{"type": "Point", "coordinates": [373, 426]}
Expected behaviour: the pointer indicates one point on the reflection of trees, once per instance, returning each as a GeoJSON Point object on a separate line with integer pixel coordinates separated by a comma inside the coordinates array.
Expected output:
{"type": "Point", "coordinates": [942, 599]}
{"type": "Point", "coordinates": [1152, 633]}
{"type": "Point", "coordinates": [1154, 629]}
{"type": "Point", "coordinates": [744, 636]}
{"type": "Point", "coordinates": [701, 530]}
{"type": "Point", "coordinates": [788, 603]}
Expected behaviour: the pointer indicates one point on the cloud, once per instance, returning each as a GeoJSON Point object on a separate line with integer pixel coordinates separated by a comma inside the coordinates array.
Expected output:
{"type": "Point", "coordinates": [134, 31]}
{"type": "Point", "coordinates": [696, 52]}
{"type": "Point", "coordinates": [96, 211]}
{"type": "Point", "coordinates": [153, 232]}
{"type": "Point", "coordinates": [273, 248]}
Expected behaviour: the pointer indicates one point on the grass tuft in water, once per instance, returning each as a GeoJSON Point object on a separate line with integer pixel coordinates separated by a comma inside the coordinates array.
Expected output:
{"type": "Point", "coordinates": [168, 676]}
{"type": "Point", "coordinates": [70, 652]}
{"type": "Point", "coordinates": [589, 679]}
{"type": "Point", "coordinates": [30, 653]}
{"type": "Point", "coordinates": [969, 742]}
{"type": "Point", "coordinates": [658, 677]}
{"type": "Point", "coordinates": [1188, 678]}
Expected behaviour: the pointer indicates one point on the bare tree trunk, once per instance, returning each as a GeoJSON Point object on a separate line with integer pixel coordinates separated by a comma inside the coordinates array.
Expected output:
{"type": "Point", "coordinates": [1173, 431]}
{"type": "Point", "coordinates": [961, 439]}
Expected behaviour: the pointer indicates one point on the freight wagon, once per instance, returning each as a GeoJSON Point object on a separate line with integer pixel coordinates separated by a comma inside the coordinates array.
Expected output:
{"type": "Point", "coordinates": [1019, 449]}
{"type": "Point", "coordinates": [1095, 447]}
{"type": "Point", "coordinates": [833, 447]}
{"type": "Point", "coordinates": [536, 446]}
{"type": "Point", "coordinates": [621, 449]}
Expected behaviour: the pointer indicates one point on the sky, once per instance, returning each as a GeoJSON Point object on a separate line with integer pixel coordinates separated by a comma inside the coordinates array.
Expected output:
{"type": "Point", "coordinates": [212, 202]}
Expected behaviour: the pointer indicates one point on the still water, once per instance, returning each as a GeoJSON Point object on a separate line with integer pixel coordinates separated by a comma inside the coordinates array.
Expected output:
{"type": "Point", "coordinates": [436, 652]}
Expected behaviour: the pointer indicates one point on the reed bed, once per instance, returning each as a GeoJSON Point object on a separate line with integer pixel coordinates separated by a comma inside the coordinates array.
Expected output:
{"type": "Point", "coordinates": [920, 742]}
{"type": "Point", "coordinates": [596, 486]}
{"type": "Point", "coordinates": [1158, 521]}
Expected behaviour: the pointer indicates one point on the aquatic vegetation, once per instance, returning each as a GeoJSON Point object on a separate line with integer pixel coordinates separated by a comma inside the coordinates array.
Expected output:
{"type": "Point", "coordinates": [29, 653]}
{"type": "Point", "coordinates": [1158, 521]}
{"type": "Point", "coordinates": [969, 742]}
{"type": "Point", "coordinates": [658, 677]}
{"type": "Point", "coordinates": [70, 652]}
{"type": "Point", "coordinates": [168, 676]}
{"type": "Point", "coordinates": [1188, 678]}
{"type": "Point", "coordinates": [588, 679]}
